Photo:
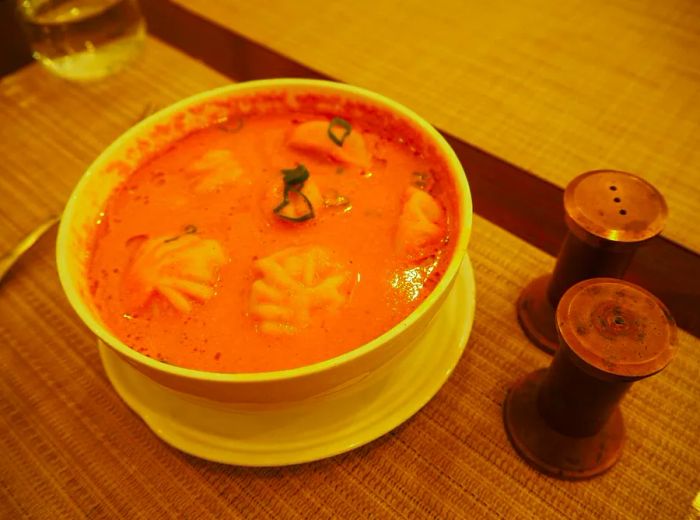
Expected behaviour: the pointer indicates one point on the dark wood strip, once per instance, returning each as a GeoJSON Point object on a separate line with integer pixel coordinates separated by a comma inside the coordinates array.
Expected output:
{"type": "Point", "coordinates": [533, 209]}
{"type": "Point", "coordinates": [222, 50]}
{"type": "Point", "coordinates": [512, 198]}
{"type": "Point", "coordinates": [14, 49]}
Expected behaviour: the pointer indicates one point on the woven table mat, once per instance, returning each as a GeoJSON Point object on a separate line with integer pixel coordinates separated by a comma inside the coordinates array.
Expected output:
{"type": "Point", "coordinates": [557, 88]}
{"type": "Point", "coordinates": [51, 130]}
{"type": "Point", "coordinates": [72, 449]}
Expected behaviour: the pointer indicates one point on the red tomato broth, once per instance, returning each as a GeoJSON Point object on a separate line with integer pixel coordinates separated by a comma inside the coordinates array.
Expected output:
{"type": "Point", "coordinates": [219, 334]}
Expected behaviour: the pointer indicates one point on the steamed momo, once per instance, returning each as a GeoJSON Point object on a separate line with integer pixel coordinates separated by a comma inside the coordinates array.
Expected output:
{"type": "Point", "coordinates": [215, 169]}
{"type": "Point", "coordinates": [180, 269]}
{"type": "Point", "coordinates": [421, 224]}
{"type": "Point", "coordinates": [295, 286]}
{"type": "Point", "coordinates": [312, 137]}
{"type": "Point", "coordinates": [311, 236]}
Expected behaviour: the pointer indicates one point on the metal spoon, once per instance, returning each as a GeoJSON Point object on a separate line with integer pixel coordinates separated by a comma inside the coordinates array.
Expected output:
{"type": "Point", "coordinates": [13, 255]}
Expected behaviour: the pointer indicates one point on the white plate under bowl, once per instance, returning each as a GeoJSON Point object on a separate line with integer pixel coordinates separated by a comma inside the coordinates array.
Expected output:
{"type": "Point", "coordinates": [312, 429]}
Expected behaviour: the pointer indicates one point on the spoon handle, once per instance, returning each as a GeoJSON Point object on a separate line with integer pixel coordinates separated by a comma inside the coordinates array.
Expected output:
{"type": "Point", "coordinates": [10, 258]}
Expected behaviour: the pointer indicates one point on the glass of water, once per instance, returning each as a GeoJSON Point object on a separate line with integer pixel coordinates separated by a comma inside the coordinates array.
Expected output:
{"type": "Point", "coordinates": [83, 40]}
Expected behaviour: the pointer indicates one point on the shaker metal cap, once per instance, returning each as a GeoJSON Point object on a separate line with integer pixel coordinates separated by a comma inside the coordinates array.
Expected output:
{"type": "Point", "coordinates": [616, 327]}
{"type": "Point", "coordinates": [615, 206]}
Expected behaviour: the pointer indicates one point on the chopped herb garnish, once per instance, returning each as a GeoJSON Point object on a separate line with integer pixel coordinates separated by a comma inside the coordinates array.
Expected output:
{"type": "Point", "coordinates": [189, 230]}
{"type": "Point", "coordinates": [226, 126]}
{"type": "Point", "coordinates": [295, 176]}
{"type": "Point", "coordinates": [294, 179]}
{"type": "Point", "coordinates": [294, 218]}
{"type": "Point", "coordinates": [423, 180]}
{"type": "Point", "coordinates": [339, 122]}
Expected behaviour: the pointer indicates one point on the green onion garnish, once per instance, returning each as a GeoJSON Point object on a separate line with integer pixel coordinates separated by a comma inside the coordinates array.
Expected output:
{"type": "Point", "coordinates": [342, 123]}
{"type": "Point", "coordinates": [301, 218]}
{"type": "Point", "coordinates": [295, 176]}
{"type": "Point", "coordinates": [294, 179]}
{"type": "Point", "coordinates": [423, 180]}
{"type": "Point", "coordinates": [189, 230]}
{"type": "Point", "coordinates": [227, 127]}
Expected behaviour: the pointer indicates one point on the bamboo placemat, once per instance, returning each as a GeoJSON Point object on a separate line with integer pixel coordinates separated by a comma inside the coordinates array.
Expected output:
{"type": "Point", "coordinates": [72, 449]}
{"type": "Point", "coordinates": [51, 130]}
{"type": "Point", "coordinates": [557, 88]}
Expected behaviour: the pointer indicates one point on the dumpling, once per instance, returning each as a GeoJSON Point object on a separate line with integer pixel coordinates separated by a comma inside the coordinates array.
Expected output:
{"type": "Point", "coordinates": [313, 137]}
{"type": "Point", "coordinates": [296, 286]}
{"type": "Point", "coordinates": [181, 269]}
{"type": "Point", "coordinates": [421, 224]}
{"type": "Point", "coordinates": [214, 169]}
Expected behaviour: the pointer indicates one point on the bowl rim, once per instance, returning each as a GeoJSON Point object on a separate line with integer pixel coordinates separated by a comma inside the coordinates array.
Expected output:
{"type": "Point", "coordinates": [464, 210]}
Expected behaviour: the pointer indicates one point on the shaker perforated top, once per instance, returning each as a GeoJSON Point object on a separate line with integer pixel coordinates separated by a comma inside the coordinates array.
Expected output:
{"type": "Point", "coordinates": [615, 206]}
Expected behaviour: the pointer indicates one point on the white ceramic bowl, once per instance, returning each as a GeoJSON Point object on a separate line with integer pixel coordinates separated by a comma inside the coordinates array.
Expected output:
{"type": "Point", "coordinates": [123, 156]}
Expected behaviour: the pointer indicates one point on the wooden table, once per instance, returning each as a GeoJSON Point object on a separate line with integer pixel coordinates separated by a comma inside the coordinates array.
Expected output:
{"type": "Point", "coordinates": [71, 447]}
